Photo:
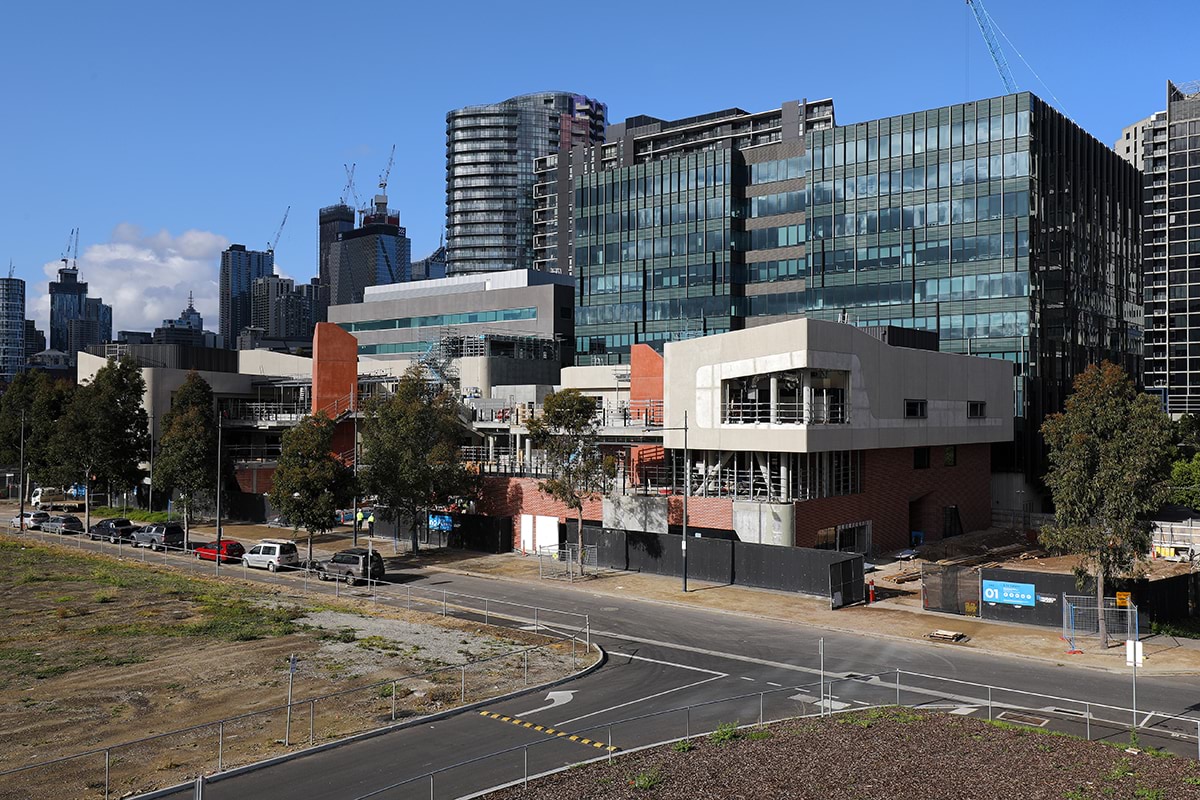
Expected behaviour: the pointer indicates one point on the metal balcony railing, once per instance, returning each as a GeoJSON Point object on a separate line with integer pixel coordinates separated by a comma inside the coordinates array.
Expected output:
{"type": "Point", "coordinates": [785, 413]}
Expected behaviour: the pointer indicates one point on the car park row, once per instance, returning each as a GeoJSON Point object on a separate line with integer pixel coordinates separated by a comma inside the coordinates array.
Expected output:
{"type": "Point", "coordinates": [350, 566]}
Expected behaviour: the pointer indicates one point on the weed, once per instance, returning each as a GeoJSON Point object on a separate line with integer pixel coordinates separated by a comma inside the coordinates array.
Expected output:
{"type": "Point", "coordinates": [687, 746]}
{"type": "Point", "coordinates": [1120, 770]}
{"type": "Point", "coordinates": [1076, 794]}
{"type": "Point", "coordinates": [1045, 748]}
{"type": "Point", "coordinates": [759, 735]}
{"type": "Point", "coordinates": [377, 643]}
{"type": "Point", "coordinates": [1183, 629]}
{"type": "Point", "coordinates": [725, 733]}
{"type": "Point", "coordinates": [343, 635]}
{"type": "Point", "coordinates": [1191, 780]}
{"type": "Point", "coordinates": [104, 596]}
{"type": "Point", "coordinates": [1142, 793]}
{"type": "Point", "coordinates": [647, 780]}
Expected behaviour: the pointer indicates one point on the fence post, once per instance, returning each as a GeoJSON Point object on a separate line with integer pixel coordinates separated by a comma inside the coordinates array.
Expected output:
{"type": "Point", "coordinates": [536, 626]}
{"type": "Point", "coordinates": [221, 746]}
{"type": "Point", "coordinates": [443, 602]}
{"type": "Point", "coordinates": [1087, 715]}
{"type": "Point", "coordinates": [431, 786]}
{"type": "Point", "coordinates": [610, 742]}
{"type": "Point", "coordinates": [106, 768]}
{"type": "Point", "coordinates": [897, 686]}
{"type": "Point", "coordinates": [1198, 739]}
{"type": "Point", "coordinates": [573, 665]}
{"type": "Point", "coordinates": [989, 704]}
{"type": "Point", "coordinates": [526, 765]}
{"type": "Point", "coordinates": [587, 629]}
{"type": "Point", "coordinates": [393, 701]}
{"type": "Point", "coordinates": [760, 709]}
{"type": "Point", "coordinates": [485, 611]}
{"type": "Point", "coordinates": [312, 708]}
{"type": "Point", "coordinates": [463, 685]}
{"type": "Point", "coordinates": [525, 655]}
{"type": "Point", "coordinates": [687, 723]}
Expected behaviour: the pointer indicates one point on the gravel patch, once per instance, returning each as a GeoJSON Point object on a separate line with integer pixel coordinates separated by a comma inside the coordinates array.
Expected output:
{"type": "Point", "coordinates": [881, 753]}
{"type": "Point", "coordinates": [353, 645]}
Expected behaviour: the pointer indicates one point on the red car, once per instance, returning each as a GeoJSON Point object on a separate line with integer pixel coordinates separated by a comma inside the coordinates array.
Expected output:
{"type": "Point", "coordinates": [231, 551]}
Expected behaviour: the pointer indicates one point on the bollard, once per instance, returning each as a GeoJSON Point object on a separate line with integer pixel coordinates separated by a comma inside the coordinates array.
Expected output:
{"type": "Point", "coordinates": [443, 602]}
{"type": "Point", "coordinates": [587, 630]}
{"type": "Point", "coordinates": [408, 589]}
{"type": "Point", "coordinates": [393, 701]}
{"type": "Point", "coordinates": [525, 658]}
{"type": "Point", "coordinates": [760, 709]}
{"type": "Point", "coordinates": [871, 595]}
{"type": "Point", "coordinates": [431, 786]}
{"type": "Point", "coordinates": [106, 766]}
{"type": "Point", "coordinates": [572, 652]}
{"type": "Point", "coordinates": [610, 742]}
{"type": "Point", "coordinates": [220, 746]}
{"type": "Point", "coordinates": [687, 724]}
{"type": "Point", "coordinates": [897, 687]}
{"type": "Point", "coordinates": [1087, 716]}
{"type": "Point", "coordinates": [989, 704]}
{"type": "Point", "coordinates": [485, 611]}
{"type": "Point", "coordinates": [536, 627]}
{"type": "Point", "coordinates": [463, 691]}
{"type": "Point", "coordinates": [311, 713]}
{"type": "Point", "coordinates": [526, 765]}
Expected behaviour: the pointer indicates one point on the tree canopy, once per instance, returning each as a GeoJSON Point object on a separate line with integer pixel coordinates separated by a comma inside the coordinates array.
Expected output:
{"type": "Point", "coordinates": [187, 455]}
{"type": "Point", "coordinates": [310, 483]}
{"type": "Point", "coordinates": [1109, 452]}
{"type": "Point", "coordinates": [411, 449]}
{"type": "Point", "coordinates": [577, 469]}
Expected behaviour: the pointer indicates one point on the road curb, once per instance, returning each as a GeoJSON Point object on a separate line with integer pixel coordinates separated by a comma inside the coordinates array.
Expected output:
{"type": "Point", "coordinates": [1064, 661]}
{"type": "Point", "coordinates": [284, 758]}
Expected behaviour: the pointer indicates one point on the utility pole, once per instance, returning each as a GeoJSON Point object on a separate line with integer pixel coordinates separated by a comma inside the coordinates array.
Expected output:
{"type": "Point", "coordinates": [687, 489]}
{"type": "Point", "coordinates": [21, 475]}
{"type": "Point", "coordinates": [220, 428]}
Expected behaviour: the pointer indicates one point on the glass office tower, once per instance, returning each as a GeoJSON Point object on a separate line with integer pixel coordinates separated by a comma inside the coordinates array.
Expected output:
{"type": "Point", "coordinates": [1000, 224]}
{"type": "Point", "coordinates": [240, 268]}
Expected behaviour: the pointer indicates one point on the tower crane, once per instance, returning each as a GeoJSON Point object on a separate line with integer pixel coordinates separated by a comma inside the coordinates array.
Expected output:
{"type": "Point", "coordinates": [988, 29]}
{"type": "Point", "coordinates": [279, 232]}
{"type": "Point", "coordinates": [348, 192]}
{"type": "Point", "coordinates": [75, 251]}
{"type": "Point", "coordinates": [383, 178]}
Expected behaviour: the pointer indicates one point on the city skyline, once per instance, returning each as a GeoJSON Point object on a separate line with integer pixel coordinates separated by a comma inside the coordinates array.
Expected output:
{"type": "Point", "coordinates": [144, 254]}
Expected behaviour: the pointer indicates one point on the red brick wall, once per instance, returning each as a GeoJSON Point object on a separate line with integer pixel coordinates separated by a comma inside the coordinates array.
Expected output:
{"type": "Point", "coordinates": [703, 512]}
{"type": "Point", "coordinates": [255, 480]}
{"type": "Point", "coordinates": [890, 482]}
{"type": "Point", "coordinates": [511, 497]}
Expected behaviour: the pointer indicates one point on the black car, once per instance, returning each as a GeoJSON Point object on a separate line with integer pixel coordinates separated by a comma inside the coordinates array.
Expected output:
{"type": "Point", "coordinates": [115, 530]}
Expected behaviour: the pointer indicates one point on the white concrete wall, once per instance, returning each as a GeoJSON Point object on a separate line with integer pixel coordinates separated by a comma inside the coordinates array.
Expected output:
{"type": "Point", "coordinates": [882, 377]}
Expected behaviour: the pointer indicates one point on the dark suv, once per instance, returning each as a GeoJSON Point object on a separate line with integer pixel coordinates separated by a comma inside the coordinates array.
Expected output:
{"type": "Point", "coordinates": [115, 530]}
{"type": "Point", "coordinates": [160, 536]}
{"type": "Point", "coordinates": [351, 566]}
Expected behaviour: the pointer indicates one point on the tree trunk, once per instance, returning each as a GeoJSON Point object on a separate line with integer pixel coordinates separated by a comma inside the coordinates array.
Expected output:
{"type": "Point", "coordinates": [1101, 617]}
{"type": "Point", "coordinates": [87, 504]}
{"type": "Point", "coordinates": [579, 535]}
{"type": "Point", "coordinates": [187, 526]}
{"type": "Point", "coordinates": [416, 541]}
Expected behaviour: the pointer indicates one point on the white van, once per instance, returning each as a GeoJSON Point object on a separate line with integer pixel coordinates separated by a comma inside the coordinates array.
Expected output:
{"type": "Point", "coordinates": [272, 554]}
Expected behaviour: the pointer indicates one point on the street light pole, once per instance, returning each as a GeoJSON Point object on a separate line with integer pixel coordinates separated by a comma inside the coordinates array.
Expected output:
{"type": "Point", "coordinates": [220, 428]}
{"type": "Point", "coordinates": [687, 490]}
{"type": "Point", "coordinates": [21, 478]}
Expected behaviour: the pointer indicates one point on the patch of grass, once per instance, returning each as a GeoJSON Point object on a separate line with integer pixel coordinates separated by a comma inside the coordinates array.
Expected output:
{"type": "Point", "coordinates": [725, 733]}
{"type": "Point", "coordinates": [135, 514]}
{"type": "Point", "coordinates": [759, 735]}
{"type": "Point", "coordinates": [865, 719]}
{"type": "Point", "coordinates": [647, 780]}
{"type": "Point", "coordinates": [343, 635]}
{"type": "Point", "coordinates": [1120, 770]}
{"type": "Point", "coordinates": [104, 596]}
{"type": "Point", "coordinates": [1191, 780]}
{"type": "Point", "coordinates": [684, 746]}
{"type": "Point", "coordinates": [1142, 793]}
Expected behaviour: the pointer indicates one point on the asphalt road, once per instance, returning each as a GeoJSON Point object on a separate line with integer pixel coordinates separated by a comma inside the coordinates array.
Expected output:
{"type": "Point", "coordinates": [663, 657]}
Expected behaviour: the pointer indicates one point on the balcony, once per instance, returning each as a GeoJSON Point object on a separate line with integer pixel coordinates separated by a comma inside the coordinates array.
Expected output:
{"type": "Point", "coordinates": [784, 413]}
{"type": "Point", "coordinates": [792, 397]}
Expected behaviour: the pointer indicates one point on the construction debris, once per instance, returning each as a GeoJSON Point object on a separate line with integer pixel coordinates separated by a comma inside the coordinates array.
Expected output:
{"type": "Point", "coordinates": [947, 636]}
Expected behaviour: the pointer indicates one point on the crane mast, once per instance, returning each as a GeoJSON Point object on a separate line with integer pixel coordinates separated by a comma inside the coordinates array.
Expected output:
{"type": "Point", "coordinates": [988, 29]}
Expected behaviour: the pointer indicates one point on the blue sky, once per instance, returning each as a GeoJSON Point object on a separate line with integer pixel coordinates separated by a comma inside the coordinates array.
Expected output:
{"type": "Point", "coordinates": [166, 130]}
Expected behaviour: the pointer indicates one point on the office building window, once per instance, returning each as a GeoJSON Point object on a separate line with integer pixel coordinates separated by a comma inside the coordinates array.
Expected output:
{"type": "Point", "coordinates": [950, 456]}
{"type": "Point", "coordinates": [920, 458]}
{"type": "Point", "coordinates": [914, 409]}
{"type": "Point", "coordinates": [976, 409]}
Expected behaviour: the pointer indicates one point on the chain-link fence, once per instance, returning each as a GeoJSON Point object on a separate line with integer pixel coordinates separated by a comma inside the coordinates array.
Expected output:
{"type": "Point", "coordinates": [567, 562]}
{"type": "Point", "coordinates": [1082, 614]}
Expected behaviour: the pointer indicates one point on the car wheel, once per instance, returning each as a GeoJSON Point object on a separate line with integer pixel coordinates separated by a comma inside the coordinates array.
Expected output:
{"type": "Point", "coordinates": [350, 581]}
{"type": "Point", "coordinates": [112, 540]}
{"type": "Point", "coordinates": [272, 566]}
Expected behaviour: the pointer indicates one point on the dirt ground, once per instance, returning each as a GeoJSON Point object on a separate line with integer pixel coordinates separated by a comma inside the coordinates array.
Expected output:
{"type": "Point", "coordinates": [96, 653]}
{"type": "Point", "coordinates": [876, 753]}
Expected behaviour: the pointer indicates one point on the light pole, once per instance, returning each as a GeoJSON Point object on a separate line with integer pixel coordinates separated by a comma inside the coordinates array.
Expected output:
{"type": "Point", "coordinates": [687, 490]}
{"type": "Point", "coordinates": [21, 478]}
{"type": "Point", "coordinates": [220, 428]}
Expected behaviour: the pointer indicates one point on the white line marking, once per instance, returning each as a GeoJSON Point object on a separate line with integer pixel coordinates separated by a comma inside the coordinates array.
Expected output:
{"type": "Point", "coordinates": [746, 679]}
{"type": "Point", "coordinates": [668, 663]}
{"type": "Point", "coordinates": [639, 700]}
{"type": "Point", "coordinates": [772, 683]}
{"type": "Point", "coordinates": [834, 705]}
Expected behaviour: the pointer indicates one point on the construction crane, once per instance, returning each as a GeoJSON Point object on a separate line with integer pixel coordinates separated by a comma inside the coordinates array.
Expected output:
{"type": "Point", "coordinates": [279, 232]}
{"type": "Point", "coordinates": [348, 192]}
{"type": "Point", "coordinates": [988, 29]}
{"type": "Point", "coordinates": [11, 267]}
{"type": "Point", "coordinates": [383, 178]}
{"type": "Point", "coordinates": [75, 251]}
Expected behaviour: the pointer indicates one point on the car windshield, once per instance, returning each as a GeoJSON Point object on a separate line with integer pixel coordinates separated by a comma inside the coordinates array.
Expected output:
{"type": "Point", "coordinates": [121, 523]}
{"type": "Point", "coordinates": [345, 558]}
{"type": "Point", "coordinates": [69, 519]}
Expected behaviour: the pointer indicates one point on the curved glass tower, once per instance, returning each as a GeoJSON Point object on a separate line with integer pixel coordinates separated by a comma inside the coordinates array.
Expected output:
{"type": "Point", "coordinates": [490, 150]}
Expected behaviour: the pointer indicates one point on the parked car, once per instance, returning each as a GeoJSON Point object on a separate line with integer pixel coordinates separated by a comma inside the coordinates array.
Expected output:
{"type": "Point", "coordinates": [160, 536]}
{"type": "Point", "coordinates": [352, 565]}
{"type": "Point", "coordinates": [30, 520]}
{"type": "Point", "coordinates": [273, 554]}
{"type": "Point", "coordinates": [115, 530]}
{"type": "Point", "coordinates": [231, 551]}
{"type": "Point", "coordinates": [63, 524]}
{"type": "Point", "coordinates": [278, 521]}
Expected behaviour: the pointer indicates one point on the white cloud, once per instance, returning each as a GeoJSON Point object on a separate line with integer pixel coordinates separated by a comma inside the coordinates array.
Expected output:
{"type": "Point", "coordinates": [146, 277]}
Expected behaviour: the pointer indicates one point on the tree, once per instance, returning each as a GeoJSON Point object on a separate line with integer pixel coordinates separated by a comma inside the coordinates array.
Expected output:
{"type": "Point", "coordinates": [40, 400]}
{"type": "Point", "coordinates": [1185, 482]}
{"type": "Point", "coordinates": [578, 470]}
{"type": "Point", "coordinates": [1187, 435]}
{"type": "Point", "coordinates": [310, 483]}
{"type": "Point", "coordinates": [188, 447]}
{"type": "Point", "coordinates": [411, 447]}
{"type": "Point", "coordinates": [103, 431]}
{"type": "Point", "coordinates": [1109, 453]}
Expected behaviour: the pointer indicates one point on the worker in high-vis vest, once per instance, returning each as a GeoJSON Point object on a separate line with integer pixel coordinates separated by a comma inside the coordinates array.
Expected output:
{"type": "Point", "coordinates": [371, 523]}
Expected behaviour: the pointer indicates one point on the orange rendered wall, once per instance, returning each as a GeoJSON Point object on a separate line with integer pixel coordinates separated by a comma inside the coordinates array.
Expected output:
{"type": "Point", "coordinates": [335, 369]}
{"type": "Point", "coordinates": [645, 373]}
